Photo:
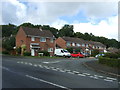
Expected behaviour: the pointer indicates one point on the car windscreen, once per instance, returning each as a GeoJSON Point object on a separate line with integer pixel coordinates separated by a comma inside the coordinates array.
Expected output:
{"type": "Point", "coordinates": [65, 51]}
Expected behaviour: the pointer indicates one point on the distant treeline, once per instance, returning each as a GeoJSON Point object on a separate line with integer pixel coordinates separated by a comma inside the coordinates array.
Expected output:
{"type": "Point", "coordinates": [9, 31]}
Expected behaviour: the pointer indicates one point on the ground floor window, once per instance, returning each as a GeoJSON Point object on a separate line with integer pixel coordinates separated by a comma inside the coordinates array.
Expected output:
{"type": "Point", "coordinates": [50, 49]}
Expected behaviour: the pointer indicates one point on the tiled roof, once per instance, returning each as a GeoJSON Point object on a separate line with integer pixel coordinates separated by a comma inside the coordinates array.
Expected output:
{"type": "Point", "coordinates": [72, 39]}
{"type": "Point", "coordinates": [96, 43]}
{"type": "Point", "coordinates": [80, 41]}
{"type": "Point", "coordinates": [37, 32]}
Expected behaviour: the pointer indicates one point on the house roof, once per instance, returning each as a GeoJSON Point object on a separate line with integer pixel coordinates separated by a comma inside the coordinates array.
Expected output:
{"type": "Point", "coordinates": [96, 43]}
{"type": "Point", "coordinates": [37, 32]}
{"type": "Point", "coordinates": [80, 41]}
{"type": "Point", "coordinates": [72, 39]}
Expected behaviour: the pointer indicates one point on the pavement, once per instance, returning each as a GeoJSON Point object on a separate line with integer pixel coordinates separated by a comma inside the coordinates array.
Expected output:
{"type": "Point", "coordinates": [94, 65]}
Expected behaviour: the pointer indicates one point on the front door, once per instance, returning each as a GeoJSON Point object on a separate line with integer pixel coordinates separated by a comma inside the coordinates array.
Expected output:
{"type": "Point", "coordinates": [32, 52]}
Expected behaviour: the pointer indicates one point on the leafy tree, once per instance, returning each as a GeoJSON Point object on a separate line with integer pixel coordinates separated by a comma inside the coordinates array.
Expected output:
{"type": "Point", "coordinates": [66, 30]}
{"type": "Point", "coordinates": [8, 30]}
{"type": "Point", "coordinates": [70, 50]}
{"type": "Point", "coordinates": [8, 43]}
{"type": "Point", "coordinates": [53, 30]}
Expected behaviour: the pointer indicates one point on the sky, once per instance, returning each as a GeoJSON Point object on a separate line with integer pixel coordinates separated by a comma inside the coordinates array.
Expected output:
{"type": "Point", "coordinates": [99, 17]}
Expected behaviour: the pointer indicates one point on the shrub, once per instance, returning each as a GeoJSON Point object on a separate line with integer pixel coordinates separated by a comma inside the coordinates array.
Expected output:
{"type": "Point", "coordinates": [45, 53]}
{"type": "Point", "coordinates": [5, 52]}
{"type": "Point", "coordinates": [70, 50]}
{"type": "Point", "coordinates": [94, 52]}
{"type": "Point", "coordinates": [27, 54]}
{"type": "Point", "coordinates": [18, 50]}
{"type": "Point", "coordinates": [111, 55]}
{"type": "Point", "coordinates": [110, 61]}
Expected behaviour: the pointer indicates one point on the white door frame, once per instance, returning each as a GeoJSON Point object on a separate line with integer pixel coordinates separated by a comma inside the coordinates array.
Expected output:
{"type": "Point", "coordinates": [32, 52]}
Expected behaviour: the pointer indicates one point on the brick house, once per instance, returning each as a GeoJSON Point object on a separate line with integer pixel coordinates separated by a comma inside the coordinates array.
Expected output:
{"type": "Point", "coordinates": [77, 43]}
{"type": "Point", "coordinates": [35, 40]}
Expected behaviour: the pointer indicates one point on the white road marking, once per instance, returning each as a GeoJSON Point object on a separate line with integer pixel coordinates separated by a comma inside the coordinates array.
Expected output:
{"type": "Point", "coordinates": [62, 71]}
{"type": "Point", "coordinates": [81, 75]}
{"type": "Point", "coordinates": [18, 62]}
{"type": "Point", "coordinates": [94, 77]}
{"type": "Point", "coordinates": [111, 78]}
{"type": "Point", "coordinates": [108, 80]}
{"type": "Point", "coordinates": [30, 63]}
{"type": "Point", "coordinates": [75, 72]}
{"type": "Point", "coordinates": [60, 86]}
{"type": "Point", "coordinates": [46, 66]}
{"type": "Point", "coordinates": [26, 63]}
{"type": "Point", "coordinates": [22, 62]}
{"type": "Point", "coordinates": [41, 66]}
{"type": "Point", "coordinates": [35, 65]}
{"type": "Point", "coordinates": [51, 62]}
{"type": "Point", "coordinates": [86, 73]}
{"type": "Point", "coordinates": [54, 69]}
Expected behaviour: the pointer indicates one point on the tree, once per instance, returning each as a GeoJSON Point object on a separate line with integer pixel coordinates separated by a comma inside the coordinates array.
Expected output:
{"type": "Point", "coordinates": [53, 30]}
{"type": "Point", "coordinates": [66, 30]}
{"type": "Point", "coordinates": [8, 43]}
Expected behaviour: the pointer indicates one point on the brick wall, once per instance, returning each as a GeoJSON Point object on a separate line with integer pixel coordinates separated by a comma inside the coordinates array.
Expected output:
{"type": "Point", "coordinates": [20, 38]}
{"type": "Point", "coordinates": [61, 42]}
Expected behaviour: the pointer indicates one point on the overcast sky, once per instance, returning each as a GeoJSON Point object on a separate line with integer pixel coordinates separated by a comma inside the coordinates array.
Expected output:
{"type": "Point", "coordinates": [99, 18]}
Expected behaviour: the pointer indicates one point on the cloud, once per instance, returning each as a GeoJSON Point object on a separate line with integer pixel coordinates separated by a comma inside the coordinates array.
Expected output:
{"type": "Point", "coordinates": [47, 12]}
{"type": "Point", "coordinates": [105, 28]}
{"type": "Point", "coordinates": [18, 12]}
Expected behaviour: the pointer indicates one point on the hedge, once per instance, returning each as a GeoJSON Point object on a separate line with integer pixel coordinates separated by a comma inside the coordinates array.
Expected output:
{"type": "Point", "coordinates": [5, 52]}
{"type": "Point", "coordinates": [110, 62]}
{"type": "Point", "coordinates": [45, 53]}
{"type": "Point", "coordinates": [27, 54]}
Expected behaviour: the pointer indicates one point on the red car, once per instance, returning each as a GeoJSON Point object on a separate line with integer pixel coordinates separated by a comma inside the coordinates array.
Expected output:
{"type": "Point", "coordinates": [77, 55]}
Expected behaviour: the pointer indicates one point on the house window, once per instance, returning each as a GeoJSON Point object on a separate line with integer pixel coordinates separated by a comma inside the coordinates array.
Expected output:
{"type": "Point", "coordinates": [68, 44]}
{"type": "Point", "coordinates": [78, 44]}
{"type": "Point", "coordinates": [51, 40]}
{"type": "Point", "coordinates": [73, 44]}
{"type": "Point", "coordinates": [50, 49]}
{"type": "Point", "coordinates": [42, 39]}
{"type": "Point", "coordinates": [32, 38]}
{"type": "Point", "coordinates": [83, 45]}
{"type": "Point", "coordinates": [86, 45]}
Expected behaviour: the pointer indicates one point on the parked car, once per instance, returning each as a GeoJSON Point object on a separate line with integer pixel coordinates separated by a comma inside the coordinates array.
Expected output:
{"type": "Point", "coordinates": [98, 55]}
{"type": "Point", "coordinates": [62, 52]}
{"type": "Point", "coordinates": [77, 55]}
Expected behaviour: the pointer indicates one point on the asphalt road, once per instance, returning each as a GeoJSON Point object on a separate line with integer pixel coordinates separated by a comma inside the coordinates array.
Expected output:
{"type": "Point", "coordinates": [20, 72]}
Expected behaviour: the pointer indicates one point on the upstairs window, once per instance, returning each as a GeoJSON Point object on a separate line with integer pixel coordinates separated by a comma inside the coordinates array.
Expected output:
{"type": "Point", "coordinates": [68, 44]}
{"type": "Point", "coordinates": [86, 45]}
{"type": "Point", "coordinates": [32, 38]}
{"type": "Point", "coordinates": [42, 39]}
{"type": "Point", "coordinates": [83, 45]}
{"type": "Point", "coordinates": [73, 44]}
{"type": "Point", "coordinates": [78, 44]}
{"type": "Point", "coordinates": [51, 40]}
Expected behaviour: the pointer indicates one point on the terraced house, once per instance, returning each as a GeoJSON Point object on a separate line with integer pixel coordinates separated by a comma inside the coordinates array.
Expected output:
{"type": "Point", "coordinates": [77, 43]}
{"type": "Point", "coordinates": [35, 40]}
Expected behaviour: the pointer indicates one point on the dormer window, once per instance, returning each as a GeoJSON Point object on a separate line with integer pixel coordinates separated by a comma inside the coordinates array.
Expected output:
{"type": "Point", "coordinates": [32, 38]}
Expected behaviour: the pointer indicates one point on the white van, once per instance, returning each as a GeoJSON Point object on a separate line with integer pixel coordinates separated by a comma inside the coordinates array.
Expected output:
{"type": "Point", "coordinates": [62, 52]}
